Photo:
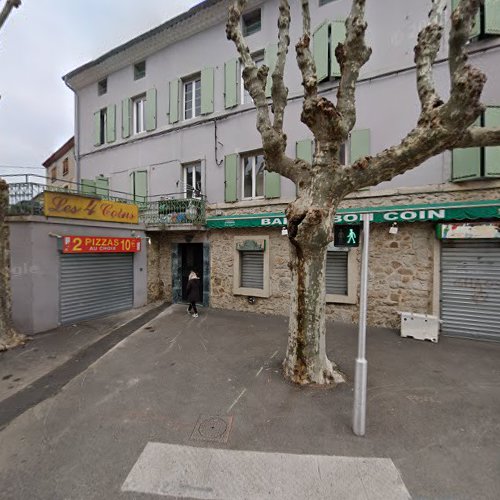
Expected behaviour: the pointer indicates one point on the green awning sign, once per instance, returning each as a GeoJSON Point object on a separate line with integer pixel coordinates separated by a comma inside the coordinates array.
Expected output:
{"type": "Point", "coordinates": [471, 210]}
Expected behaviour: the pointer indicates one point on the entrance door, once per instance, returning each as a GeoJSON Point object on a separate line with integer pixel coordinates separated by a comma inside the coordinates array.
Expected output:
{"type": "Point", "coordinates": [191, 260]}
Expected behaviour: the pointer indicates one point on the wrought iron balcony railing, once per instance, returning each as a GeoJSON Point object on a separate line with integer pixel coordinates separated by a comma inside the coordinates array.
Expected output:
{"type": "Point", "coordinates": [26, 198]}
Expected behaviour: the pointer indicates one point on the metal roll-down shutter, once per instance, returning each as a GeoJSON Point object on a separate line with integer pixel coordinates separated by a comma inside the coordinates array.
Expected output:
{"type": "Point", "coordinates": [336, 273]}
{"type": "Point", "coordinates": [252, 269]}
{"type": "Point", "coordinates": [94, 285]}
{"type": "Point", "coordinates": [470, 289]}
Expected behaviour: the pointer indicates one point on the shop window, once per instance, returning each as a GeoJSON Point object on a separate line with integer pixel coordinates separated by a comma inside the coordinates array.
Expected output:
{"type": "Point", "coordinates": [251, 22]}
{"type": "Point", "coordinates": [478, 163]}
{"type": "Point", "coordinates": [102, 86]}
{"type": "Point", "coordinates": [341, 275]}
{"type": "Point", "coordinates": [251, 266]}
{"type": "Point", "coordinates": [192, 98]}
{"type": "Point", "coordinates": [139, 70]}
{"type": "Point", "coordinates": [192, 180]}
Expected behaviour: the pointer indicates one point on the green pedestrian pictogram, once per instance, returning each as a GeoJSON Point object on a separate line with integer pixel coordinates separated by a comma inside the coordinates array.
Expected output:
{"type": "Point", "coordinates": [351, 237]}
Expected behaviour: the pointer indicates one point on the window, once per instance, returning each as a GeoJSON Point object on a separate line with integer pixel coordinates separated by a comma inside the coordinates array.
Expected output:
{"type": "Point", "coordinates": [251, 266]}
{"type": "Point", "coordinates": [103, 119]}
{"type": "Point", "coordinates": [326, 38]}
{"type": "Point", "coordinates": [102, 86]}
{"type": "Point", "coordinates": [192, 98]}
{"type": "Point", "coordinates": [478, 163]}
{"type": "Point", "coordinates": [139, 186]}
{"type": "Point", "coordinates": [138, 110]}
{"type": "Point", "coordinates": [53, 174]}
{"type": "Point", "coordinates": [258, 59]}
{"type": "Point", "coordinates": [252, 176]}
{"type": "Point", "coordinates": [192, 180]}
{"type": "Point", "coordinates": [341, 275]}
{"type": "Point", "coordinates": [251, 22]}
{"type": "Point", "coordinates": [65, 166]}
{"type": "Point", "coordinates": [139, 70]}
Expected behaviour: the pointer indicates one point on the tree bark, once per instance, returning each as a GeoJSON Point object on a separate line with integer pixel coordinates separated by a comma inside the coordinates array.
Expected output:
{"type": "Point", "coordinates": [8, 335]}
{"type": "Point", "coordinates": [309, 231]}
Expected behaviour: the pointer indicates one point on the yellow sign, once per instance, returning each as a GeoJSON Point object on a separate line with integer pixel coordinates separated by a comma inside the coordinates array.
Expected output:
{"type": "Point", "coordinates": [73, 206]}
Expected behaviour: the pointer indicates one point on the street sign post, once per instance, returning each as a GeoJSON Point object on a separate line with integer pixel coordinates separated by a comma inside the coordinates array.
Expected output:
{"type": "Point", "coordinates": [361, 367]}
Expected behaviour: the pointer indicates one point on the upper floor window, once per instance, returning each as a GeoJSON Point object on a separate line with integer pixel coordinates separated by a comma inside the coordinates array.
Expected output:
{"type": "Point", "coordinates": [65, 166]}
{"type": "Point", "coordinates": [102, 86]}
{"type": "Point", "coordinates": [103, 125]}
{"type": "Point", "coordinates": [192, 98]}
{"type": "Point", "coordinates": [252, 176]}
{"type": "Point", "coordinates": [138, 109]}
{"type": "Point", "coordinates": [53, 174]}
{"type": "Point", "coordinates": [258, 59]}
{"type": "Point", "coordinates": [251, 22]}
{"type": "Point", "coordinates": [139, 70]}
{"type": "Point", "coordinates": [478, 163]}
{"type": "Point", "coordinates": [192, 180]}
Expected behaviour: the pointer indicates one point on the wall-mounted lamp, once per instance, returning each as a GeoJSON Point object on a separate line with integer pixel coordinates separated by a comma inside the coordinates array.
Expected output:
{"type": "Point", "coordinates": [394, 228]}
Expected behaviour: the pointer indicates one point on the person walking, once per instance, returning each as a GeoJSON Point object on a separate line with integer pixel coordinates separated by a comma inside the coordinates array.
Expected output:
{"type": "Point", "coordinates": [193, 293]}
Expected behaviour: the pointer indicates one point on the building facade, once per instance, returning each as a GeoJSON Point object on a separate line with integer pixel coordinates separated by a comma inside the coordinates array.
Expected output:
{"type": "Point", "coordinates": [61, 166]}
{"type": "Point", "coordinates": [164, 119]}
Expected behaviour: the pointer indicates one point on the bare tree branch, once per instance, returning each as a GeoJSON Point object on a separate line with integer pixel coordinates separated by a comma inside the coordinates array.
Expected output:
{"type": "Point", "coordinates": [9, 5]}
{"type": "Point", "coordinates": [440, 126]}
{"type": "Point", "coordinates": [426, 51]}
{"type": "Point", "coordinates": [351, 55]}
{"type": "Point", "coordinates": [479, 137]}
{"type": "Point", "coordinates": [273, 138]}
{"type": "Point", "coordinates": [279, 92]}
{"type": "Point", "coordinates": [305, 58]}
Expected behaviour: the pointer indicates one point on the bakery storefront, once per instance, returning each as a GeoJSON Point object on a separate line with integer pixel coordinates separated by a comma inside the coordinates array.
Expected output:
{"type": "Point", "coordinates": [417, 264]}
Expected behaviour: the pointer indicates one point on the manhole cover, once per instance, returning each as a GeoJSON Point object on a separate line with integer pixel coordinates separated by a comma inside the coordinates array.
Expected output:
{"type": "Point", "coordinates": [212, 428]}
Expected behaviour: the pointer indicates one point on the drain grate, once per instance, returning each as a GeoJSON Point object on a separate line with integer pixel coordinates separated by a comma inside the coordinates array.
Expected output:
{"type": "Point", "coordinates": [212, 428]}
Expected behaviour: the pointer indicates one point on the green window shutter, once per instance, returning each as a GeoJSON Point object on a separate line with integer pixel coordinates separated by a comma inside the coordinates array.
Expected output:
{"type": "Point", "coordinates": [466, 162]}
{"type": "Point", "coordinates": [304, 150]}
{"type": "Point", "coordinates": [230, 177]}
{"type": "Point", "coordinates": [270, 57]}
{"type": "Point", "coordinates": [207, 91]}
{"type": "Point", "coordinates": [492, 153]}
{"type": "Point", "coordinates": [231, 83]}
{"type": "Point", "coordinates": [140, 185]}
{"type": "Point", "coordinates": [272, 184]}
{"type": "Point", "coordinates": [126, 114]}
{"type": "Point", "coordinates": [337, 36]}
{"type": "Point", "coordinates": [174, 91]}
{"type": "Point", "coordinates": [359, 144]}
{"type": "Point", "coordinates": [111, 123]}
{"type": "Point", "coordinates": [320, 50]}
{"type": "Point", "coordinates": [97, 128]}
{"type": "Point", "coordinates": [102, 186]}
{"type": "Point", "coordinates": [150, 110]}
{"type": "Point", "coordinates": [476, 29]}
{"type": "Point", "coordinates": [492, 17]}
{"type": "Point", "coordinates": [87, 186]}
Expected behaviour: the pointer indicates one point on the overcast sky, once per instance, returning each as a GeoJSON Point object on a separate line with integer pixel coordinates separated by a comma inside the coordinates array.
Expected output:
{"type": "Point", "coordinates": [43, 40]}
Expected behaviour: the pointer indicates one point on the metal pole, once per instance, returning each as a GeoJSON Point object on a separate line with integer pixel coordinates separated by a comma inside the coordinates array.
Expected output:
{"type": "Point", "coordinates": [361, 369]}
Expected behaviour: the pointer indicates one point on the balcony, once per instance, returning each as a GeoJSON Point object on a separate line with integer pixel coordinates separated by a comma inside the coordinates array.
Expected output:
{"type": "Point", "coordinates": [168, 211]}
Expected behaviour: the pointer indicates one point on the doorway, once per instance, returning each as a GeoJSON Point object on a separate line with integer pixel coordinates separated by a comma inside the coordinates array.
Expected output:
{"type": "Point", "coordinates": [191, 255]}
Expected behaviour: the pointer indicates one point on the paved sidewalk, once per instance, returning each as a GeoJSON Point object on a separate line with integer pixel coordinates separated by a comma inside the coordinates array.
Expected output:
{"type": "Point", "coordinates": [432, 414]}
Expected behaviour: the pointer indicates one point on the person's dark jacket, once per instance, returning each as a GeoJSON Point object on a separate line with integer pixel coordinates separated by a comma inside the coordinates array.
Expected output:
{"type": "Point", "coordinates": [193, 290]}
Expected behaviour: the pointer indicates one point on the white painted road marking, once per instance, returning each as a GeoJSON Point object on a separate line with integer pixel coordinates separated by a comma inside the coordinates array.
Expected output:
{"type": "Point", "coordinates": [205, 473]}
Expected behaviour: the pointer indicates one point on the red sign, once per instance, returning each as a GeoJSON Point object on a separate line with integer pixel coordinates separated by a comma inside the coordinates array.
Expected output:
{"type": "Point", "coordinates": [100, 244]}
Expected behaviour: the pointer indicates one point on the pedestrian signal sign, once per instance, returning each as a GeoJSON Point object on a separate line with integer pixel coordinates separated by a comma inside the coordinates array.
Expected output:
{"type": "Point", "coordinates": [346, 235]}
